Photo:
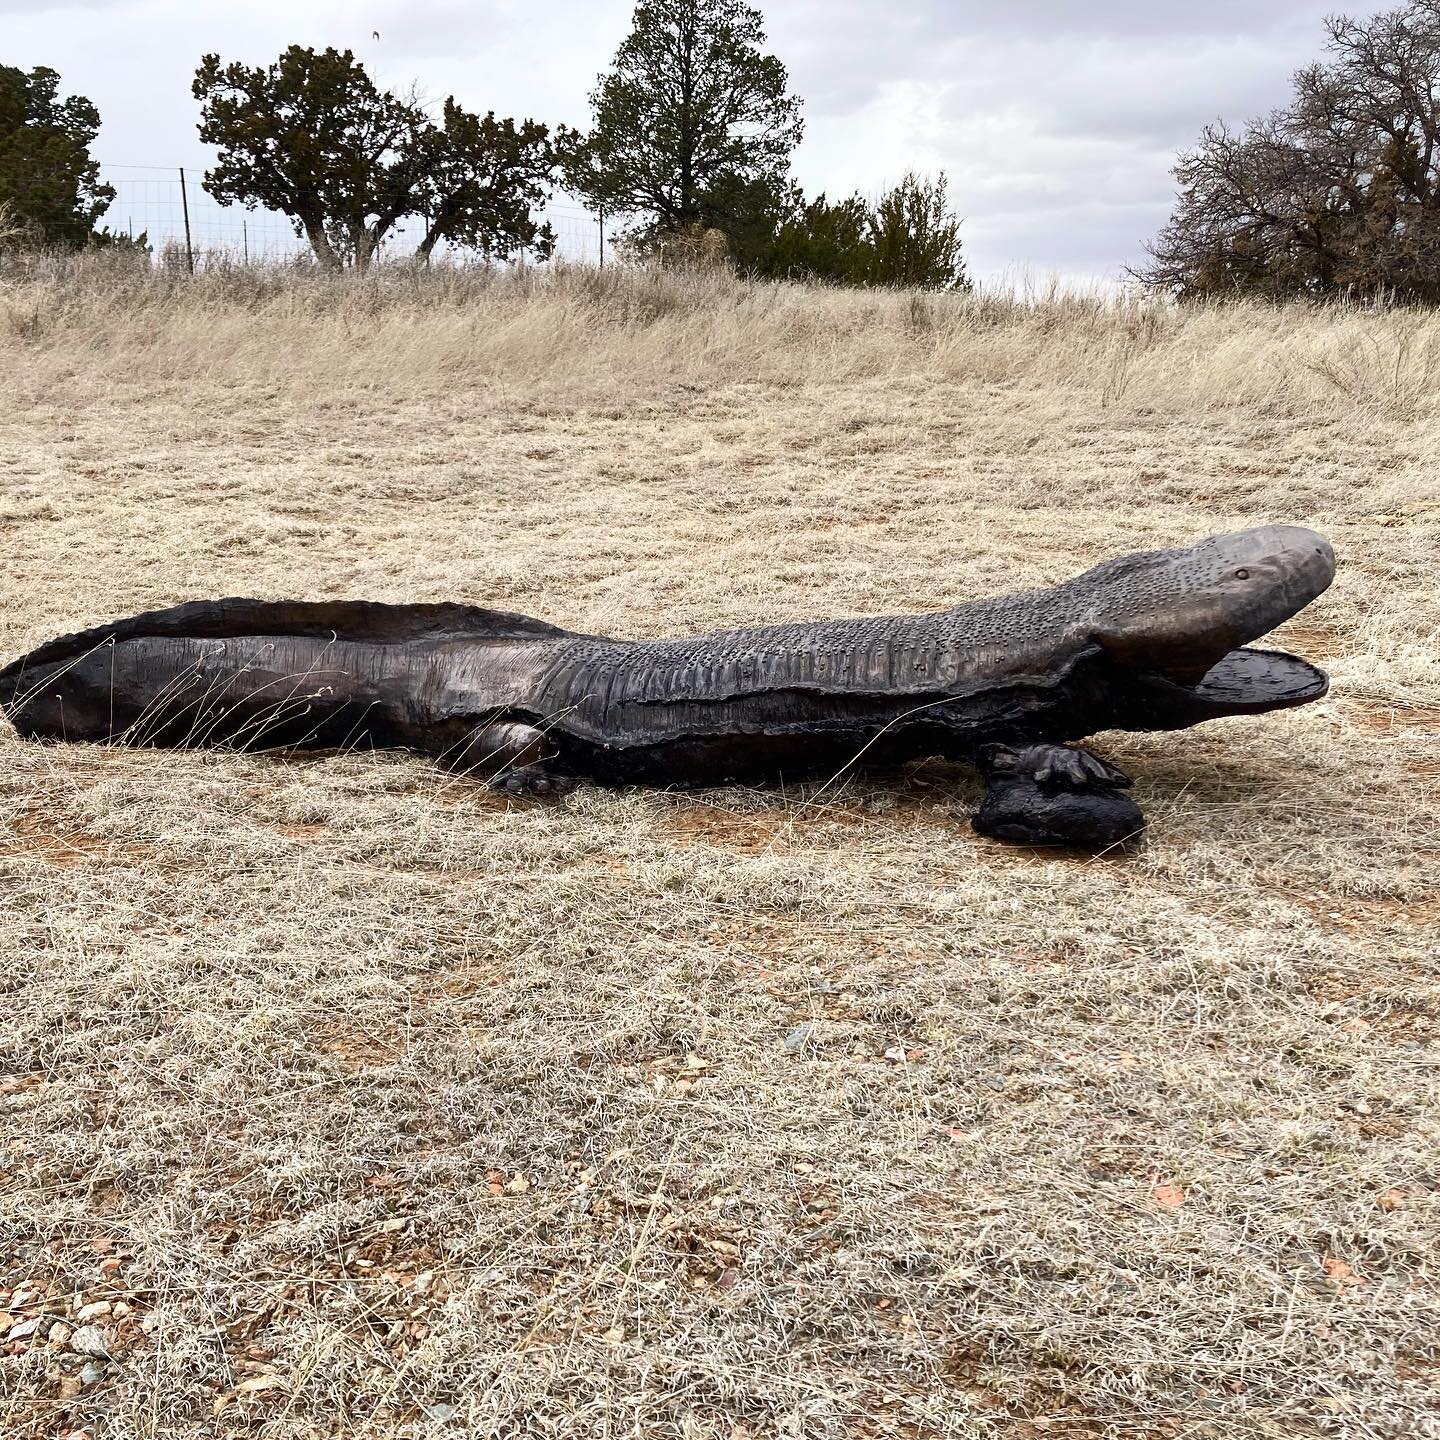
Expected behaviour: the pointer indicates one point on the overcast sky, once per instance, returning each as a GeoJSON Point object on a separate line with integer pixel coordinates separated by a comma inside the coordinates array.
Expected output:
{"type": "Point", "coordinates": [1056, 120]}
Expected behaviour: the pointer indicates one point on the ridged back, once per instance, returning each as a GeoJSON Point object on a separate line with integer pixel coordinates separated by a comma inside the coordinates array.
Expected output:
{"type": "Point", "coordinates": [606, 686]}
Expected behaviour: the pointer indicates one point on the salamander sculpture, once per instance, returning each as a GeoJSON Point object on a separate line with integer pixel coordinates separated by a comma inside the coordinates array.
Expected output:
{"type": "Point", "coordinates": [1153, 641]}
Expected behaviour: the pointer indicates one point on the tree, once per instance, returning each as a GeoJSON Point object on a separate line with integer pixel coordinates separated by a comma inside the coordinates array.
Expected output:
{"type": "Point", "coordinates": [693, 128]}
{"type": "Point", "coordinates": [821, 241]}
{"type": "Point", "coordinates": [915, 240]}
{"type": "Point", "coordinates": [313, 137]}
{"type": "Point", "coordinates": [49, 185]}
{"type": "Point", "coordinates": [907, 239]}
{"type": "Point", "coordinates": [484, 179]}
{"type": "Point", "coordinates": [1337, 191]}
{"type": "Point", "coordinates": [753, 211]}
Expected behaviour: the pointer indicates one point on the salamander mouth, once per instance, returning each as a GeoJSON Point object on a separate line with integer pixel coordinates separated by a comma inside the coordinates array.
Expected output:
{"type": "Point", "coordinates": [1249, 682]}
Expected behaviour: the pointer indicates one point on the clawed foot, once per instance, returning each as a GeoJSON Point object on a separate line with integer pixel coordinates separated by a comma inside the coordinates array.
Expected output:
{"type": "Point", "coordinates": [1053, 795]}
{"type": "Point", "coordinates": [1055, 765]}
{"type": "Point", "coordinates": [533, 781]}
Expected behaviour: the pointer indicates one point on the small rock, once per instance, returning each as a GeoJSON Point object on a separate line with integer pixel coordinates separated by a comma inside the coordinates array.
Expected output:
{"type": "Point", "coordinates": [92, 1311]}
{"type": "Point", "coordinates": [916, 1262]}
{"type": "Point", "coordinates": [801, 1036]}
{"type": "Point", "coordinates": [253, 1384]}
{"type": "Point", "coordinates": [25, 1329]}
{"type": "Point", "coordinates": [91, 1340]}
{"type": "Point", "coordinates": [442, 1411]}
{"type": "Point", "coordinates": [93, 1370]}
{"type": "Point", "coordinates": [995, 1082]}
{"type": "Point", "coordinates": [59, 1333]}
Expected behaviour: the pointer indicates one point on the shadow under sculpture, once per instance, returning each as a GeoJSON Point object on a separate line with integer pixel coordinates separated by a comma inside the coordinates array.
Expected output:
{"type": "Point", "coordinates": [1150, 641]}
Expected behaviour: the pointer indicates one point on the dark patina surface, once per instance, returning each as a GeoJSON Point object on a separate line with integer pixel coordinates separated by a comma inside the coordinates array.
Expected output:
{"type": "Point", "coordinates": [1151, 641]}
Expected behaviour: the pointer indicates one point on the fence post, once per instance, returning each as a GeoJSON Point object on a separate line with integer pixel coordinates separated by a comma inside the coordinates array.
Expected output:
{"type": "Point", "coordinates": [185, 207]}
{"type": "Point", "coordinates": [245, 238]}
{"type": "Point", "coordinates": [602, 237]}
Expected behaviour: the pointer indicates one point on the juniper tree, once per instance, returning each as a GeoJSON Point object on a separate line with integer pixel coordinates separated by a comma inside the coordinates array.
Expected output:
{"type": "Point", "coordinates": [50, 187]}
{"type": "Point", "coordinates": [907, 238]}
{"type": "Point", "coordinates": [313, 137]}
{"type": "Point", "coordinates": [693, 126]}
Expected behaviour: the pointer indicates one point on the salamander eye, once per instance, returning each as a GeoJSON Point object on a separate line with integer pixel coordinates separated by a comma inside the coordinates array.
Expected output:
{"type": "Point", "coordinates": [1242, 574]}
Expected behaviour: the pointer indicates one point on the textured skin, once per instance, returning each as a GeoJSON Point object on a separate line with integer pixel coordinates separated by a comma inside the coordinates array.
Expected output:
{"type": "Point", "coordinates": [1141, 642]}
{"type": "Point", "coordinates": [1053, 795]}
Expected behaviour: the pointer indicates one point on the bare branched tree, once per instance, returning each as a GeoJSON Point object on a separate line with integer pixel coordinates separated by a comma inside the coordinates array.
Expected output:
{"type": "Point", "coordinates": [1337, 192]}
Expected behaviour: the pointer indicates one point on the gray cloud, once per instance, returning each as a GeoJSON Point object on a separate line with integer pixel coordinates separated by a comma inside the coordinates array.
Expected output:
{"type": "Point", "coordinates": [40, 8]}
{"type": "Point", "coordinates": [848, 48]}
{"type": "Point", "coordinates": [1126, 19]}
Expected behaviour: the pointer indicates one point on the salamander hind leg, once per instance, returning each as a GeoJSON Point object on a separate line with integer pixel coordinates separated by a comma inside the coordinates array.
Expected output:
{"type": "Point", "coordinates": [517, 759]}
{"type": "Point", "coordinates": [1055, 795]}
{"type": "Point", "coordinates": [534, 780]}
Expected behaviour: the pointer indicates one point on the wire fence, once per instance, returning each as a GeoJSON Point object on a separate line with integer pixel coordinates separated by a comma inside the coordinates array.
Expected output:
{"type": "Point", "coordinates": [158, 201]}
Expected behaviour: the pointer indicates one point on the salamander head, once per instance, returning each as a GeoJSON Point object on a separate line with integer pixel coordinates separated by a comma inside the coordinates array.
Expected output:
{"type": "Point", "coordinates": [1180, 616]}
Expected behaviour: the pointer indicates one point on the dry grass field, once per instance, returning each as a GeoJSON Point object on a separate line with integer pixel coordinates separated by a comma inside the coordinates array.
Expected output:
{"type": "Point", "coordinates": [342, 1098]}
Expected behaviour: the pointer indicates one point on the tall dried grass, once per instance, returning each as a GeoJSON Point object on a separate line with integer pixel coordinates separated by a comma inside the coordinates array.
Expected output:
{"type": "Point", "coordinates": [578, 329]}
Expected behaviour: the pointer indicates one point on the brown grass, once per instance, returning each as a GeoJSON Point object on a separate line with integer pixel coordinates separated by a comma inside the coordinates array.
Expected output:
{"type": "Point", "coordinates": [374, 1106]}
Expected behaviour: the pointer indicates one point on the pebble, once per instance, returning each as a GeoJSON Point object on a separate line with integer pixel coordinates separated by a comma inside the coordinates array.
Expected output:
{"type": "Point", "coordinates": [93, 1311]}
{"type": "Point", "coordinates": [92, 1372]}
{"type": "Point", "coordinates": [800, 1037]}
{"type": "Point", "coordinates": [90, 1340]}
{"type": "Point", "coordinates": [916, 1262]}
{"type": "Point", "coordinates": [24, 1329]}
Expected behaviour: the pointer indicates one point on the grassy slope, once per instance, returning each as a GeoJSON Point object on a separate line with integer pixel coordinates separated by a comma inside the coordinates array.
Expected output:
{"type": "Point", "coordinates": [354, 1091]}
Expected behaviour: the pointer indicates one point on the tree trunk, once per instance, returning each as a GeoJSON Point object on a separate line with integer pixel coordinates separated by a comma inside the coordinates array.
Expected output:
{"type": "Point", "coordinates": [362, 246]}
{"type": "Point", "coordinates": [687, 122]}
{"type": "Point", "coordinates": [368, 238]}
{"type": "Point", "coordinates": [320, 244]}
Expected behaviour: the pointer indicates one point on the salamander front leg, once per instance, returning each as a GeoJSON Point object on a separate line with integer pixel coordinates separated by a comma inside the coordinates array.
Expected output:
{"type": "Point", "coordinates": [1055, 795]}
